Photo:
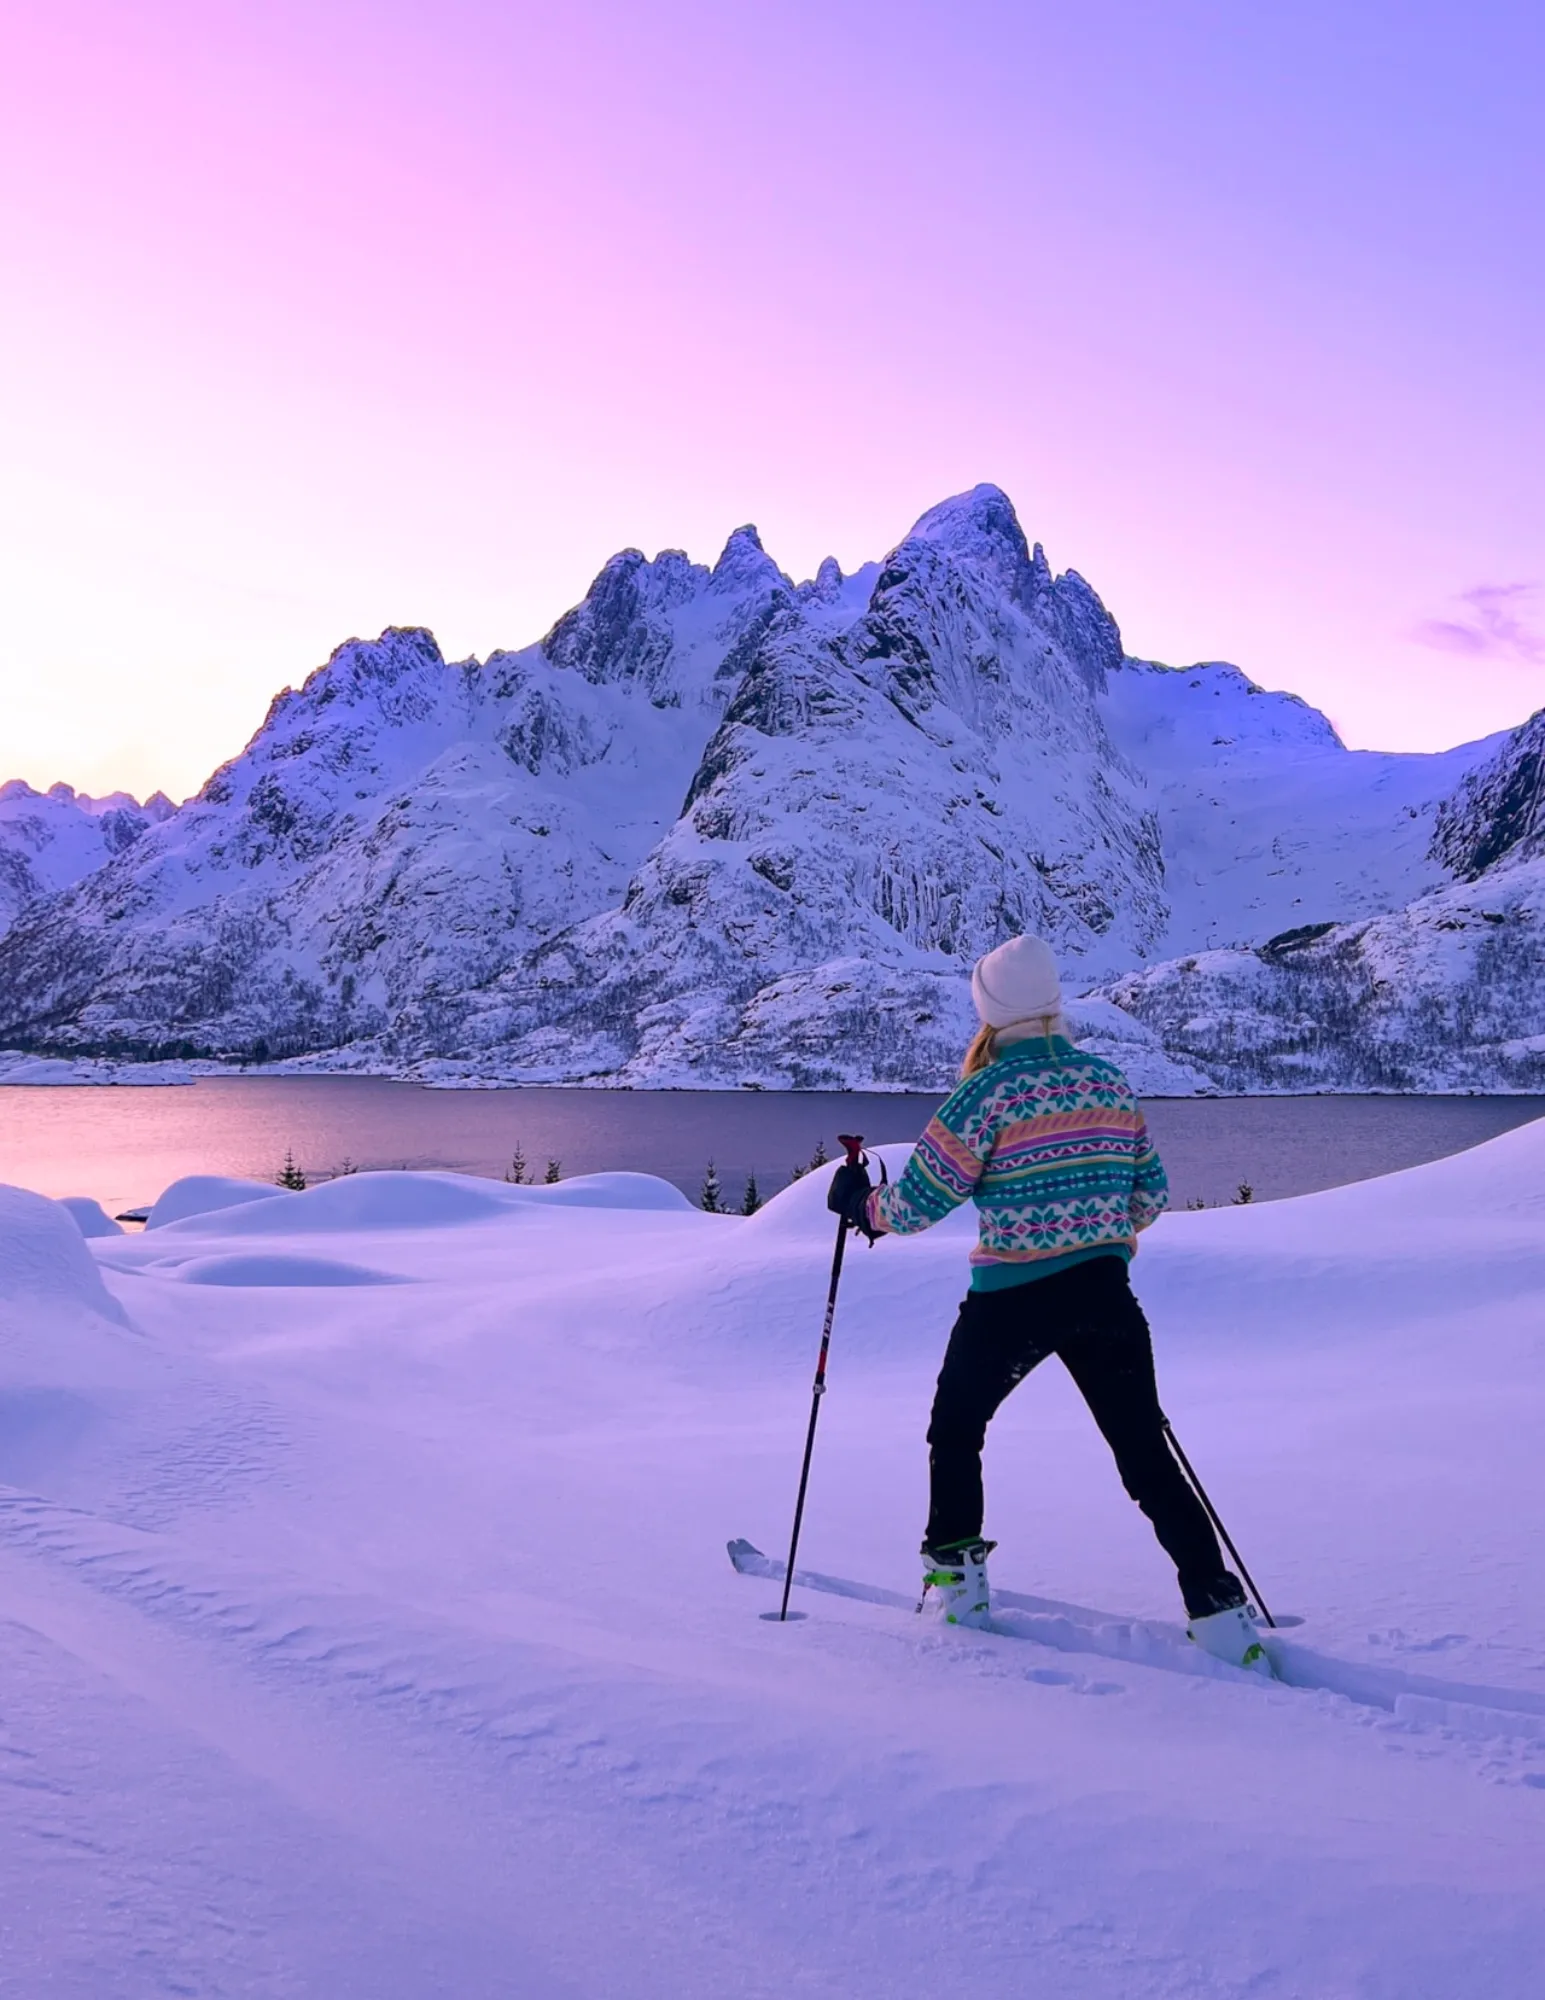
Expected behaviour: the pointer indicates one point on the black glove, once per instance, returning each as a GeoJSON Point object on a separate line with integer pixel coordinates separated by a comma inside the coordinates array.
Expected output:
{"type": "Point", "coordinates": [848, 1196]}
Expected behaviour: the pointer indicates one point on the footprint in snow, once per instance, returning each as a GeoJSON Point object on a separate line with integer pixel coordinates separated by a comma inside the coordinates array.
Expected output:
{"type": "Point", "coordinates": [1075, 1683]}
{"type": "Point", "coordinates": [1399, 1641]}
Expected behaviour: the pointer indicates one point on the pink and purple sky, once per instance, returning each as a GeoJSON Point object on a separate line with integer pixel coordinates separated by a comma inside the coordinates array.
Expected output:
{"type": "Point", "coordinates": [321, 315]}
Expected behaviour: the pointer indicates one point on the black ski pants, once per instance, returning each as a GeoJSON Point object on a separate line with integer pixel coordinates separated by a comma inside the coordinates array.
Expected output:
{"type": "Point", "coordinates": [1087, 1316]}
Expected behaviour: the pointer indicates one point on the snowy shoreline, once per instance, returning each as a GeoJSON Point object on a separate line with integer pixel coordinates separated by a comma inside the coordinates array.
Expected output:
{"type": "Point", "coordinates": [18, 1069]}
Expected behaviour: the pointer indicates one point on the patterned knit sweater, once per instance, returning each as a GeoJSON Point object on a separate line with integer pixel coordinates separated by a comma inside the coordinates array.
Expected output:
{"type": "Point", "coordinates": [1053, 1148]}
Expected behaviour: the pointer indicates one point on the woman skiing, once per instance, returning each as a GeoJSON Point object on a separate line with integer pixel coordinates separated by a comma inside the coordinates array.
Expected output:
{"type": "Point", "coordinates": [1051, 1145]}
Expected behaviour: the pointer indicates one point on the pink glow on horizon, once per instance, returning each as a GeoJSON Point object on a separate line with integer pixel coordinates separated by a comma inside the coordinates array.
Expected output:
{"type": "Point", "coordinates": [323, 317]}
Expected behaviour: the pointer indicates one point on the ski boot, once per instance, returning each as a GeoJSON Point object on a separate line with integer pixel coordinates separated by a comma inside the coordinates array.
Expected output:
{"type": "Point", "coordinates": [957, 1575]}
{"type": "Point", "coordinates": [1228, 1631]}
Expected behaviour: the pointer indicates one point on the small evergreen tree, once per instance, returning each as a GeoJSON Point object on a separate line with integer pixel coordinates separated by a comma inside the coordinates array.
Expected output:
{"type": "Point", "coordinates": [797, 1174]}
{"type": "Point", "coordinates": [1246, 1193]}
{"type": "Point", "coordinates": [751, 1200]}
{"type": "Point", "coordinates": [712, 1196]}
{"type": "Point", "coordinates": [515, 1172]}
{"type": "Point", "coordinates": [289, 1175]}
{"type": "Point", "coordinates": [820, 1156]}
{"type": "Point", "coordinates": [1196, 1202]}
{"type": "Point", "coordinates": [554, 1172]}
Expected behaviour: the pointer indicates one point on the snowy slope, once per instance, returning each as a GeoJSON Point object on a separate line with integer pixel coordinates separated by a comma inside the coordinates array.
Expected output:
{"type": "Point", "coordinates": [1447, 993]}
{"type": "Point", "coordinates": [369, 1629]}
{"type": "Point", "coordinates": [1267, 820]}
{"type": "Point", "coordinates": [719, 829]}
{"type": "Point", "coordinates": [49, 840]}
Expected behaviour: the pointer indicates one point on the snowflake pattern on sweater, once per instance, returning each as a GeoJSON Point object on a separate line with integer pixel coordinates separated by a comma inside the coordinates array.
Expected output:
{"type": "Point", "coordinates": [1052, 1146]}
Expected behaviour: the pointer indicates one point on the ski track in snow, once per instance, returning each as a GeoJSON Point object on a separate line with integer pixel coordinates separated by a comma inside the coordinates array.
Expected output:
{"type": "Point", "coordinates": [1484, 1712]}
{"type": "Point", "coordinates": [378, 1640]}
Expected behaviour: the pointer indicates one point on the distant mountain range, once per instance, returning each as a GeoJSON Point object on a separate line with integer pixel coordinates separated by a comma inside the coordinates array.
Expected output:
{"type": "Point", "coordinates": [719, 828]}
{"type": "Point", "coordinates": [49, 840]}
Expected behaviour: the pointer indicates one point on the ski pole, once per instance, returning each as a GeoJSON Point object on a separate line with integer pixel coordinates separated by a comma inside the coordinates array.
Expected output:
{"type": "Point", "coordinates": [818, 1390]}
{"type": "Point", "coordinates": [1212, 1514]}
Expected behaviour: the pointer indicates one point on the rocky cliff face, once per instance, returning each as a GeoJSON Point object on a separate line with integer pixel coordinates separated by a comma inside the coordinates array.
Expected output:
{"type": "Point", "coordinates": [1498, 813]}
{"type": "Point", "coordinates": [718, 828]}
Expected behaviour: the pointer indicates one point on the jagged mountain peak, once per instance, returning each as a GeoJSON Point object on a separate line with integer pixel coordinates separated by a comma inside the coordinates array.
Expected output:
{"type": "Point", "coordinates": [979, 528]}
{"type": "Point", "coordinates": [50, 840]}
{"type": "Point", "coordinates": [157, 807]}
{"type": "Point", "coordinates": [396, 672]}
{"type": "Point", "coordinates": [978, 535]}
{"type": "Point", "coordinates": [398, 649]}
{"type": "Point", "coordinates": [670, 626]}
{"type": "Point", "coordinates": [745, 564]}
{"type": "Point", "coordinates": [962, 614]}
{"type": "Point", "coordinates": [17, 788]}
{"type": "Point", "coordinates": [620, 629]}
{"type": "Point", "coordinates": [17, 793]}
{"type": "Point", "coordinates": [827, 582]}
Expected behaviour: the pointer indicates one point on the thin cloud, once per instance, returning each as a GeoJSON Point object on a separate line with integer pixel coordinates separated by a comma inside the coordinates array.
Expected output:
{"type": "Point", "coordinates": [1492, 627]}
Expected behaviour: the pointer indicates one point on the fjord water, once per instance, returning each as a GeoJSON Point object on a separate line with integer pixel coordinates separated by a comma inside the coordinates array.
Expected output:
{"type": "Point", "coordinates": [124, 1145]}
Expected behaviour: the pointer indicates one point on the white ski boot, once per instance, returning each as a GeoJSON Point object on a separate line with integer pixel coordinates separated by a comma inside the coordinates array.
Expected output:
{"type": "Point", "coordinates": [957, 1577]}
{"type": "Point", "coordinates": [1231, 1635]}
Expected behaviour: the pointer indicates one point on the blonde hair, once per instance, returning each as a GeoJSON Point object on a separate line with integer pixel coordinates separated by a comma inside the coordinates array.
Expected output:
{"type": "Point", "coordinates": [983, 1046]}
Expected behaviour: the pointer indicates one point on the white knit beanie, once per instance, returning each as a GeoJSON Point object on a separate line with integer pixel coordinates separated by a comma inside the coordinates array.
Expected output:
{"type": "Point", "coordinates": [1017, 982]}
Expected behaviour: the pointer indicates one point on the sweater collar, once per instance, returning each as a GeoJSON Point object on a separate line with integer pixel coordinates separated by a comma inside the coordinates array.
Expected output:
{"type": "Point", "coordinates": [1024, 1041]}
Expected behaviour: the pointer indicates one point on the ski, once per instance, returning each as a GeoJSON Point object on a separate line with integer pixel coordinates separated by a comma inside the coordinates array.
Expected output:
{"type": "Point", "coordinates": [1045, 1621]}
{"type": "Point", "coordinates": [1464, 1708]}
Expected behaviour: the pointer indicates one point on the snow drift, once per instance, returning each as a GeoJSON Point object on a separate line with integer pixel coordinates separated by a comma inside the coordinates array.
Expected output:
{"type": "Point", "coordinates": [46, 1269]}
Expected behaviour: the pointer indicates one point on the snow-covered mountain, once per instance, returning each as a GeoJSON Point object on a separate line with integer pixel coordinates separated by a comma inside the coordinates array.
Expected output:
{"type": "Point", "coordinates": [904, 773]}
{"type": "Point", "coordinates": [718, 828]}
{"type": "Point", "coordinates": [50, 839]}
{"type": "Point", "coordinates": [1447, 993]}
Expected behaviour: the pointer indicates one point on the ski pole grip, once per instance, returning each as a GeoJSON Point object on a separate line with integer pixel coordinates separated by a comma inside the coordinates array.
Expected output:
{"type": "Point", "coordinates": [853, 1145]}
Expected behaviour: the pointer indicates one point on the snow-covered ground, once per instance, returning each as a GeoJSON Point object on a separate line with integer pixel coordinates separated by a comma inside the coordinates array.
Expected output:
{"type": "Point", "coordinates": [368, 1628]}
